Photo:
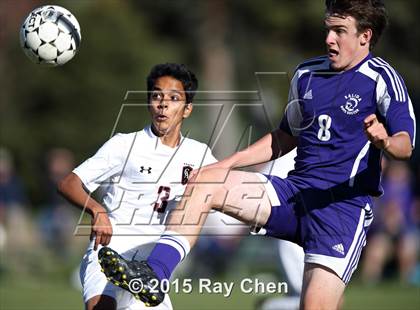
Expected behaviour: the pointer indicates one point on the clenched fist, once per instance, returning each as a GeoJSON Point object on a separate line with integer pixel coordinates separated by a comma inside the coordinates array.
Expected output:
{"type": "Point", "coordinates": [101, 229]}
{"type": "Point", "coordinates": [376, 132]}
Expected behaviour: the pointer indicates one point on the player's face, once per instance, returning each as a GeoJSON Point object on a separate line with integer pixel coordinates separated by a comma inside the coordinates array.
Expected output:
{"type": "Point", "coordinates": [346, 47]}
{"type": "Point", "coordinates": [168, 106]}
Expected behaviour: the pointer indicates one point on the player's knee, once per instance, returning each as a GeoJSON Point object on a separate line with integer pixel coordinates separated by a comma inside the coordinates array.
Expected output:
{"type": "Point", "coordinates": [101, 302]}
{"type": "Point", "coordinates": [207, 187]}
{"type": "Point", "coordinates": [310, 303]}
{"type": "Point", "coordinates": [208, 180]}
{"type": "Point", "coordinates": [322, 288]}
{"type": "Point", "coordinates": [317, 302]}
{"type": "Point", "coordinates": [210, 176]}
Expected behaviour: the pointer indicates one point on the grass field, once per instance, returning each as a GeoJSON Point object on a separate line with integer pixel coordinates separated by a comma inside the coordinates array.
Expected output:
{"type": "Point", "coordinates": [19, 293]}
{"type": "Point", "coordinates": [40, 281]}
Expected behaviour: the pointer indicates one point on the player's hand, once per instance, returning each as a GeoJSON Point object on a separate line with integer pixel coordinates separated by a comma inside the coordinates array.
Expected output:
{"type": "Point", "coordinates": [376, 132]}
{"type": "Point", "coordinates": [101, 229]}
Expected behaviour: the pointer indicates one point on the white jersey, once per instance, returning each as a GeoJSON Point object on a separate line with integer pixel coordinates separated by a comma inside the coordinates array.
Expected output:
{"type": "Point", "coordinates": [141, 179]}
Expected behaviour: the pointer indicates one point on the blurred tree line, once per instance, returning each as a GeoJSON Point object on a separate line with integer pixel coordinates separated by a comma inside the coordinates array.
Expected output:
{"type": "Point", "coordinates": [224, 42]}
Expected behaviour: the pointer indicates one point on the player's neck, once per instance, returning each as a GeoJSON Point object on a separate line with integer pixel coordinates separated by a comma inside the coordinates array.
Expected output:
{"type": "Point", "coordinates": [358, 59]}
{"type": "Point", "coordinates": [171, 138]}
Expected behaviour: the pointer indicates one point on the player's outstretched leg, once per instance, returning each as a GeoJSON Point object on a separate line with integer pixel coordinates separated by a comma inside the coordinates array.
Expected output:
{"type": "Point", "coordinates": [134, 276]}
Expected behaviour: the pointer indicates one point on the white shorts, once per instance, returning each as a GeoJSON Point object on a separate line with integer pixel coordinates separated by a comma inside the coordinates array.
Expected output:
{"type": "Point", "coordinates": [94, 282]}
{"type": "Point", "coordinates": [292, 259]}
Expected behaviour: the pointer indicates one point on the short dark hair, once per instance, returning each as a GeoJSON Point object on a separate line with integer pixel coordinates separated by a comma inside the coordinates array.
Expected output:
{"type": "Point", "coordinates": [369, 14]}
{"type": "Point", "coordinates": [177, 71]}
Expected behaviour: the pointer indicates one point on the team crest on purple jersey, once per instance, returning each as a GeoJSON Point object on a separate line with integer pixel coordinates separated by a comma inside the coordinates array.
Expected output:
{"type": "Point", "coordinates": [186, 170]}
{"type": "Point", "coordinates": [352, 101]}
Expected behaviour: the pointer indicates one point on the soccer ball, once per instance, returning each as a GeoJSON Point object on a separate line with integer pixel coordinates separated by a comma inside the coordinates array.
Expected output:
{"type": "Point", "coordinates": [50, 35]}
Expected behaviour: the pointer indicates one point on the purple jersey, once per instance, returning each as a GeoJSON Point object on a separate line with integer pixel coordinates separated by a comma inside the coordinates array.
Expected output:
{"type": "Point", "coordinates": [326, 111]}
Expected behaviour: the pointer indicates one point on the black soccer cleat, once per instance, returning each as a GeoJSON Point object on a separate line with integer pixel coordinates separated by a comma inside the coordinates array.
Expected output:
{"type": "Point", "coordinates": [134, 276]}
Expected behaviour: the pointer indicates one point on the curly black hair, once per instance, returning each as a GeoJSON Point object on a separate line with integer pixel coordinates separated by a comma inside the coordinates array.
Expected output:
{"type": "Point", "coordinates": [177, 71]}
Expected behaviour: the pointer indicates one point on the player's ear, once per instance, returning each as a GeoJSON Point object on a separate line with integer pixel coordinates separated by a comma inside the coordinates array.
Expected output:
{"type": "Point", "coordinates": [187, 110]}
{"type": "Point", "coordinates": [366, 36]}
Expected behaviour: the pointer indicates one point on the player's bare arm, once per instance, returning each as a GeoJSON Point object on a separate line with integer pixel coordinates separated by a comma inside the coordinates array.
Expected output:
{"type": "Point", "coordinates": [72, 189]}
{"type": "Point", "coordinates": [269, 147]}
{"type": "Point", "coordinates": [273, 145]}
{"type": "Point", "coordinates": [398, 145]}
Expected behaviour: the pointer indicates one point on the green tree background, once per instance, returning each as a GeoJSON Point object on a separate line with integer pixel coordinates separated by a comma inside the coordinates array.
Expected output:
{"type": "Point", "coordinates": [75, 106]}
{"type": "Point", "coordinates": [225, 42]}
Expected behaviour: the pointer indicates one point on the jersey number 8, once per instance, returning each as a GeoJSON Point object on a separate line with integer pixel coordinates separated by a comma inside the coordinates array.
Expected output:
{"type": "Point", "coordinates": [324, 122]}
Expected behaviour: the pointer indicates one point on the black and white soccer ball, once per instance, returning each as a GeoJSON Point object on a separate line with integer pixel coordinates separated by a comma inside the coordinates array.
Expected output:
{"type": "Point", "coordinates": [50, 35]}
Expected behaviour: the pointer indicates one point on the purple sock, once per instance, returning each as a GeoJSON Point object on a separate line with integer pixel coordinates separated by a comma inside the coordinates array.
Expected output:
{"type": "Point", "coordinates": [163, 259]}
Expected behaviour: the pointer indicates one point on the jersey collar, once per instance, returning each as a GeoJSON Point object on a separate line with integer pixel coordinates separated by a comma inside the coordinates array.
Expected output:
{"type": "Point", "coordinates": [356, 67]}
